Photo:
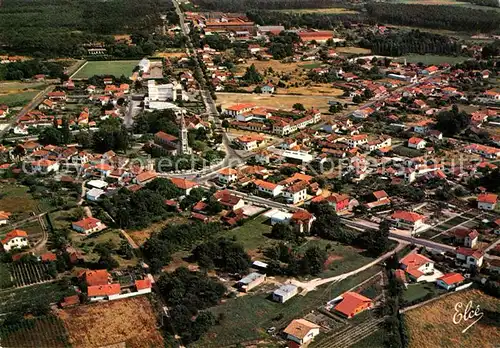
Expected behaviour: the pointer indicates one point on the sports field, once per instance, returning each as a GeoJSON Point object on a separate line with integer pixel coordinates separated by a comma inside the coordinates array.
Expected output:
{"type": "Point", "coordinates": [112, 67]}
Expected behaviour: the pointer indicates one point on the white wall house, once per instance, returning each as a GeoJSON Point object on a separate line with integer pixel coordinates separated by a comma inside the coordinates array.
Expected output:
{"type": "Point", "coordinates": [15, 239]}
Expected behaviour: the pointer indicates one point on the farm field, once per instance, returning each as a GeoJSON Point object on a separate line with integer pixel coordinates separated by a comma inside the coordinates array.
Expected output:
{"type": "Point", "coordinates": [5, 280]}
{"type": "Point", "coordinates": [19, 93]}
{"type": "Point", "coordinates": [448, 2]}
{"type": "Point", "coordinates": [17, 200]}
{"type": "Point", "coordinates": [11, 300]}
{"type": "Point", "coordinates": [45, 331]}
{"type": "Point", "coordinates": [131, 322]}
{"type": "Point", "coordinates": [431, 59]}
{"type": "Point", "coordinates": [30, 273]}
{"type": "Point", "coordinates": [254, 313]}
{"type": "Point", "coordinates": [114, 67]}
{"type": "Point", "coordinates": [353, 50]}
{"type": "Point", "coordinates": [375, 340]}
{"type": "Point", "coordinates": [276, 101]}
{"type": "Point", "coordinates": [432, 324]}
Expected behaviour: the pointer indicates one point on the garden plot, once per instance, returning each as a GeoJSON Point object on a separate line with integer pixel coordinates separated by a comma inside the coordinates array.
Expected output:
{"type": "Point", "coordinates": [30, 273]}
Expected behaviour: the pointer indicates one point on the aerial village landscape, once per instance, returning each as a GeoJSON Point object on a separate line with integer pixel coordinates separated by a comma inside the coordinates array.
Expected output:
{"type": "Point", "coordinates": [222, 173]}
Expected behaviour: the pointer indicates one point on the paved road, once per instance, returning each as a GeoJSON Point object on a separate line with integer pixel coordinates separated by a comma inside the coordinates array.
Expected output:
{"type": "Point", "coordinates": [31, 105]}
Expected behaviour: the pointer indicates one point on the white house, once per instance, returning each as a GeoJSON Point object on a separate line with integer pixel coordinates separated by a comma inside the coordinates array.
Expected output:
{"type": "Point", "coordinates": [357, 140]}
{"type": "Point", "coordinates": [417, 266]}
{"type": "Point", "coordinates": [44, 166]}
{"type": "Point", "coordinates": [487, 201]}
{"type": "Point", "coordinates": [466, 237]}
{"type": "Point", "coordinates": [416, 143]}
{"type": "Point", "coordinates": [227, 175]}
{"type": "Point", "coordinates": [469, 257]}
{"type": "Point", "coordinates": [238, 109]}
{"type": "Point", "coordinates": [88, 225]}
{"type": "Point", "coordinates": [267, 89]}
{"type": "Point", "coordinates": [284, 293]}
{"type": "Point", "coordinates": [296, 193]}
{"type": "Point", "coordinates": [268, 187]}
{"type": "Point", "coordinates": [15, 239]}
{"type": "Point", "coordinates": [4, 217]}
{"type": "Point", "coordinates": [251, 281]}
{"type": "Point", "coordinates": [301, 331]}
{"type": "Point", "coordinates": [450, 280]}
{"type": "Point", "coordinates": [407, 220]}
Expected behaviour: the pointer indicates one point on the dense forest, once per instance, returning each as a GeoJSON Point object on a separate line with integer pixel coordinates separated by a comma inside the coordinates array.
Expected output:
{"type": "Point", "coordinates": [60, 28]}
{"type": "Point", "coordinates": [437, 16]}
{"type": "Point", "coordinates": [243, 6]}
{"type": "Point", "coordinates": [307, 20]}
{"type": "Point", "coordinates": [414, 41]}
{"type": "Point", "coordinates": [490, 3]}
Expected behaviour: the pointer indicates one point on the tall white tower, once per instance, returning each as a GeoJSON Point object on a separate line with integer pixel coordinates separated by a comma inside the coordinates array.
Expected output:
{"type": "Point", "coordinates": [184, 148]}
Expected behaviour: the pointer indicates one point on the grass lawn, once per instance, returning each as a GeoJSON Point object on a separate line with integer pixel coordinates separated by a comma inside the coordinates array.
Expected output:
{"type": "Point", "coordinates": [247, 317]}
{"type": "Point", "coordinates": [252, 234]}
{"type": "Point", "coordinates": [418, 291]}
{"type": "Point", "coordinates": [343, 258]}
{"type": "Point", "coordinates": [17, 99]}
{"type": "Point", "coordinates": [63, 218]}
{"type": "Point", "coordinates": [431, 59]}
{"type": "Point", "coordinates": [17, 200]}
{"type": "Point", "coordinates": [114, 67]}
{"type": "Point", "coordinates": [17, 298]}
{"type": "Point", "coordinates": [332, 10]}
{"type": "Point", "coordinates": [5, 281]}
{"type": "Point", "coordinates": [311, 65]}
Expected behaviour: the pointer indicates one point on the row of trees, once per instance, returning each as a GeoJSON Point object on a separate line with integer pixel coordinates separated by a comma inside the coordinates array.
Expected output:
{"type": "Point", "coordinates": [242, 6]}
{"type": "Point", "coordinates": [439, 16]}
{"type": "Point", "coordinates": [414, 41]}
{"type": "Point", "coordinates": [27, 69]}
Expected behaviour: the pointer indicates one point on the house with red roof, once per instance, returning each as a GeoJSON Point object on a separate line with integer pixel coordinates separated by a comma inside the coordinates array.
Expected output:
{"type": "Point", "coordinates": [4, 217]}
{"type": "Point", "coordinates": [416, 143]}
{"type": "Point", "coordinates": [450, 280]}
{"type": "Point", "coordinates": [466, 237]}
{"type": "Point", "coordinates": [417, 266]}
{"type": "Point", "coordinates": [228, 200]}
{"type": "Point", "coordinates": [88, 225]}
{"type": "Point", "coordinates": [238, 109]}
{"type": "Point", "coordinates": [407, 220]}
{"type": "Point", "coordinates": [296, 193]}
{"type": "Point", "coordinates": [381, 199]}
{"type": "Point", "coordinates": [227, 175]}
{"type": "Point", "coordinates": [352, 304]}
{"type": "Point", "coordinates": [95, 277]}
{"type": "Point", "coordinates": [469, 257]}
{"type": "Point", "coordinates": [487, 201]}
{"type": "Point", "coordinates": [184, 185]}
{"type": "Point", "coordinates": [268, 187]}
{"type": "Point", "coordinates": [302, 221]}
{"type": "Point", "coordinates": [339, 201]}
{"type": "Point", "coordinates": [15, 239]}
{"type": "Point", "coordinates": [143, 286]}
{"type": "Point", "coordinates": [103, 292]}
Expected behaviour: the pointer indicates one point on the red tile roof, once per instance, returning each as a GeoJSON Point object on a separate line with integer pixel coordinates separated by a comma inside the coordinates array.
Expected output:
{"type": "Point", "coordinates": [463, 232]}
{"type": "Point", "coordinates": [165, 137]}
{"type": "Point", "coordinates": [103, 290]}
{"type": "Point", "coordinates": [227, 171]}
{"type": "Point", "coordinates": [265, 184]}
{"type": "Point", "coordinates": [48, 257]}
{"type": "Point", "coordinates": [469, 252]}
{"type": "Point", "coordinates": [70, 301]}
{"type": "Point", "coordinates": [487, 198]}
{"type": "Point", "coordinates": [142, 284]}
{"type": "Point", "coordinates": [14, 234]}
{"type": "Point", "coordinates": [183, 183]}
{"type": "Point", "coordinates": [302, 215]}
{"type": "Point", "coordinates": [350, 302]}
{"type": "Point", "coordinates": [452, 278]}
{"type": "Point", "coordinates": [414, 261]}
{"type": "Point", "coordinates": [87, 223]}
{"type": "Point", "coordinates": [97, 277]}
{"type": "Point", "coordinates": [407, 216]}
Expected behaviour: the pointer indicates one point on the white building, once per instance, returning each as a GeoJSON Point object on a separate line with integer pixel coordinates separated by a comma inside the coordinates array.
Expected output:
{"type": "Point", "coordinates": [469, 257]}
{"type": "Point", "coordinates": [416, 143]}
{"type": "Point", "coordinates": [487, 201]}
{"type": "Point", "coordinates": [407, 220]}
{"type": "Point", "coordinates": [417, 266]}
{"type": "Point", "coordinates": [227, 175]}
{"type": "Point", "coordinates": [284, 293]}
{"type": "Point", "coordinates": [268, 187]}
{"type": "Point", "coordinates": [296, 193]}
{"type": "Point", "coordinates": [301, 331]}
{"type": "Point", "coordinates": [94, 194]}
{"type": "Point", "coordinates": [15, 239]}
{"type": "Point", "coordinates": [164, 93]}
{"type": "Point", "coordinates": [88, 225]}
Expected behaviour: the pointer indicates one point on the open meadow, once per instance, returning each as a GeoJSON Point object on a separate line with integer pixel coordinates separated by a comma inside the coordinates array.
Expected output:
{"type": "Point", "coordinates": [19, 93]}
{"type": "Point", "coordinates": [115, 68]}
{"type": "Point", "coordinates": [432, 324]}
{"type": "Point", "coordinates": [431, 59]}
{"type": "Point", "coordinates": [17, 200]}
{"type": "Point", "coordinates": [129, 322]}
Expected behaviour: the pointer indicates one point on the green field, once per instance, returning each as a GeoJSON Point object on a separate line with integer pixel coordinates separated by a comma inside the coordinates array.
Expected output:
{"type": "Point", "coordinates": [5, 281]}
{"type": "Point", "coordinates": [311, 65]}
{"type": "Point", "coordinates": [246, 318]}
{"type": "Point", "coordinates": [115, 68]}
{"type": "Point", "coordinates": [345, 257]}
{"type": "Point", "coordinates": [418, 291]}
{"type": "Point", "coordinates": [252, 234]}
{"type": "Point", "coordinates": [11, 300]}
{"type": "Point", "coordinates": [431, 59]}
{"type": "Point", "coordinates": [17, 99]}
{"type": "Point", "coordinates": [375, 340]}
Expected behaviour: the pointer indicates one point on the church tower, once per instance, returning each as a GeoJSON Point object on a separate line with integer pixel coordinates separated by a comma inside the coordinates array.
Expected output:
{"type": "Point", "coordinates": [184, 148]}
